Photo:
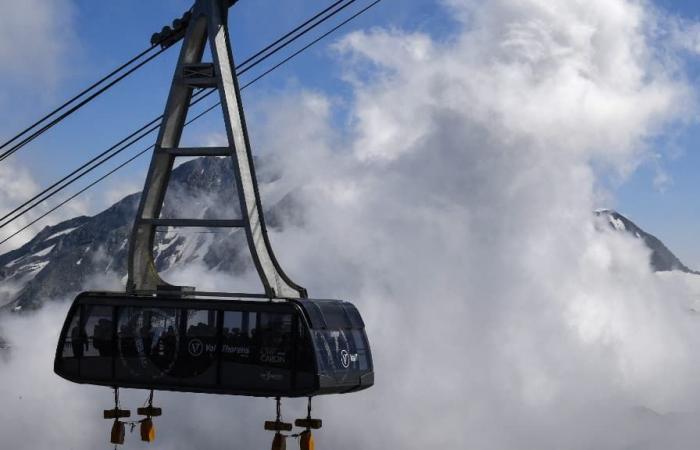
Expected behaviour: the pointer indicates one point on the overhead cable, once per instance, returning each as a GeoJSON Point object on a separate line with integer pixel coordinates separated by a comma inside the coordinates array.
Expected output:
{"type": "Point", "coordinates": [76, 97]}
{"type": "Point", "coordinates": [94, 163]}
{"type": "Point", "coordinates": [87, 100]}
{"type": "Point", "coordinates": [212, 107]}
{"type": "Point", "coordinates": [98, 180]}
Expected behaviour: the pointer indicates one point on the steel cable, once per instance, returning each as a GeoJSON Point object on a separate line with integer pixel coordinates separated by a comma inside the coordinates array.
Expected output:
{"type": "Point", "coordinates": [209, 109]}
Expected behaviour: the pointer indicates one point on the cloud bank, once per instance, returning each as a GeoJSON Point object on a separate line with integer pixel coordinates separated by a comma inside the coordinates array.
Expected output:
{"type": "Point", "coordinates": [45, 31]}
{"type": "Point", "coordinates": [454, 207]}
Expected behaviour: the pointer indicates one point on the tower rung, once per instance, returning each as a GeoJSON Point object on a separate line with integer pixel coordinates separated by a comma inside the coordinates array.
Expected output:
{"type": "Point", "coordinates": [200, 75]}
{"type": "Point", "coordinates": [204, 223]}
{"type": "Point", "coordinates": [198, 151]}
{"type": "Point", "coordinates": [198, 70]}
{"type": "Point", "coordinates": [201, 82]}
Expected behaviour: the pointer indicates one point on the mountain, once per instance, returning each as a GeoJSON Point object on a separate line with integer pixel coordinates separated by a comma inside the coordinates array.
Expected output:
{"type": "Point", "coordinates": [91, 252]}
{"type": "Point", "coordinates": [662, 259]}
{"type": "Point", "coordinates": [66, 258]}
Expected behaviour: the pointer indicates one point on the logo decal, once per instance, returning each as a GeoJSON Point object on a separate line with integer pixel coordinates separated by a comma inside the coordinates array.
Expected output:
{"type": "Point", "coordinates": [345, 358]}
{"type": "Point", "coordinates": [269, 376]}
{"type": "Point", "coordinates": [195, 347]}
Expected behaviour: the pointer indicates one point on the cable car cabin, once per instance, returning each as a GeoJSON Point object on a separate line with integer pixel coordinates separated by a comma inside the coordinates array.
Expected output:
{"type": "Point", "coordinates": [285, 348]}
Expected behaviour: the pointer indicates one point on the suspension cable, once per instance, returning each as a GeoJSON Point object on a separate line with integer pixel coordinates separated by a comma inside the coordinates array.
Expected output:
{"type": "Point", "coordinates": [4, 155]}
{"type": "Point", "coordinates": [47, 194]}
{"type": "Point", "coordinates": [363, 10]}
{"type": "Point", "coordinates": [311, 27]}
{"type": "Point", "coordinates": [98, 180]}
{"type": "Point", "coordinates": [77, 96]}
{"type": "Point", "coordinates": [124, 144]}
{"type": "Point", "coordinates": [306, 47]}
{"type": "Point", "coordinates": [58, 119]}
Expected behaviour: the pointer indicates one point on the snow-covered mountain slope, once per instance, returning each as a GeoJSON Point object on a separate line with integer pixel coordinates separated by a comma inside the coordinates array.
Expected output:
{"type": "Point", "coordinates": [66, 258]}
{"type": "Point", "coordinates": [91, 252]}
{"type": "Point", "coordinates": [662, 259]}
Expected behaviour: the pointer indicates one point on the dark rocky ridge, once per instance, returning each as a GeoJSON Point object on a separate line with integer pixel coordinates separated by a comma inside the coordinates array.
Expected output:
{"type": "Point", "coordinates": [62, 259]}
{"type": "Point", "coordinates": [662, 259]}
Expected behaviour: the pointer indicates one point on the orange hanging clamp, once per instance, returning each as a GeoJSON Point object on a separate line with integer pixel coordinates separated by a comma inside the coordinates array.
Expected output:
{"type": "Point", "coordinates": [279, 442]}
{"type": "Point", "coordinates": [306, 441]}
{"type": "Point", "coordinates": [118, 433]}
{"type": "Point", "coordinates": [148, 430]}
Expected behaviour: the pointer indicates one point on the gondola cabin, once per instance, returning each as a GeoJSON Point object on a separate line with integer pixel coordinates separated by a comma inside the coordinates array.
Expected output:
{"type": "Point", "coordinates": [243, 346]}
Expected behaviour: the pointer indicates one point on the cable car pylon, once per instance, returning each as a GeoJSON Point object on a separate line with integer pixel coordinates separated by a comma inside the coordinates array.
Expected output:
{"type": "Point", "coordinates": [157, 336]}
{"type": "Point", "coordinates": [208, 24]}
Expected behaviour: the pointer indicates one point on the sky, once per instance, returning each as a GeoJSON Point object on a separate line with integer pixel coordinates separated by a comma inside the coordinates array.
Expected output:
{"type": "Point", "coordinates": [95, 38]}
{"type": "Point", "coordinates": [448, 155]}
{"type": "Point", "coordinates": [83, 40]}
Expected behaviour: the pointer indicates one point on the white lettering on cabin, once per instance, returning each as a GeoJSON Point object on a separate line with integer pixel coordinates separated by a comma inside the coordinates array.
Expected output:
{"type": "Point", "coordinates": [269, 376]}
{"type": "Point", "coordinates": [236, 350]}
{"type": "Point", "coordinates": [272, 358]}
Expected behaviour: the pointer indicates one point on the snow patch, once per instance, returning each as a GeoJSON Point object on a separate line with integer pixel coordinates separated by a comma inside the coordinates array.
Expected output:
{"type": "Point", "coordinates": [36, 267]}
{"type": "Point", "coordinates": [45, 251]}
{"type": "Point", "coordinates": [617, 224]}
{"type": "Point", "coordinates": [61, 233]}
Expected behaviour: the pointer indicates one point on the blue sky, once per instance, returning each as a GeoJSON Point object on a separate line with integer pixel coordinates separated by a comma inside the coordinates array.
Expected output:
{"type": "Point", "coordinates": [110, 33]}
{"type": "Point", "coordinates": [107, 33]}
{"type": "Point", "coordinates": [672, 213]}
{"type": "Point", "coordinates": [474, 192]}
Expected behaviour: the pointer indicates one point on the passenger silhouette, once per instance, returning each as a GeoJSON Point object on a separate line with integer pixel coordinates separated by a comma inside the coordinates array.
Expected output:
{"type": "Point", "coordinates": [147, 338]}
{"type": "Point", "coordinates": [78, 342]}
{"type": "Point", "coordinates": [102, 337]}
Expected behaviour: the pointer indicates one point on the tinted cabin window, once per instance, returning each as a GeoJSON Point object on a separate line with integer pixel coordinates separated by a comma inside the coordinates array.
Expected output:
{"type": "Point", "coordinates": [335, 316]}
{"type": "Point", "coordinates": [361, 349]}
{"type": "Point", "coordinates": [98, 345]}
{"type": "Point", "coordinates": [197, 361]}
{"type": "Point", "coordinates": [238, 332]}
{"type": "Point", "coordinates": [341, 346]}
{"type": "Point", "coordinates": [305, 364]}
{"type": "Point", "coordinates": [275, 337]}
{"type": "Point", "coordinates": [73, 346]}
{"type": "Point", "coordinates": [239, 365]}
{"type": "Point", "coordinates": [99, 329]}
{"type": "Point", "coordinates": [354, 317]}
{"type": "Point", "coordinates": [257, 351]}
{"type": "Point", "coordinates": [148, 342]}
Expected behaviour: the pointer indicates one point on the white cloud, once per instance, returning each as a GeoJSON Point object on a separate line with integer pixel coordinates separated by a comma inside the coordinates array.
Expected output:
{"type": "Point", "coordinates": [18, 186]}
{"type": "Point", "coordinates": [120, 189]}
{"type": "Point", "coordinates": [45, 30]}
{"type": "Point", "coordinates": [37, 40]}
{"type": "Point", "coordinates": [457, 215]}
{"type": "Point", "coordinates": [39, 48]}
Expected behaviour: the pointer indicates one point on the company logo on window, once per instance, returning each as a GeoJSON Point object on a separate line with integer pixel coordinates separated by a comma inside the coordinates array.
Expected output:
{"type": "Point", "coordinates": [195, 347]}
{"type": "Point", "coordinates": [346, 358]}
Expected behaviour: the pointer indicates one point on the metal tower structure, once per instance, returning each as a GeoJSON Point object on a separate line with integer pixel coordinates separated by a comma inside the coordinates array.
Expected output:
{"type": "Point", "coordinates": [208, 24]}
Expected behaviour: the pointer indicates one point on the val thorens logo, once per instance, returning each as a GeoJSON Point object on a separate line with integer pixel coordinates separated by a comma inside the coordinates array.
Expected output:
{"type": "Point", "coordinates": [195, 347]}
{"type": "Point", "coordinates": [345, 358]}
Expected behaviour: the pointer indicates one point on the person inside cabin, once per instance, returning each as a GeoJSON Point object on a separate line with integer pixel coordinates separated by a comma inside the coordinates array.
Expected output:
{"type": "Point", "coordinates": [147, 338]}
{"type": "Point", "coordinates": [102, 337]}
{"type": "Point", "coordinates": [127, 341]}
{"type": "Point", "coordinates": [78, 342]}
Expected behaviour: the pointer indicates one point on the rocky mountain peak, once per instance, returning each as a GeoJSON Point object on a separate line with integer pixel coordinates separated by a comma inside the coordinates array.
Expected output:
{"type": "Point", "coordinates": [662, 259]}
